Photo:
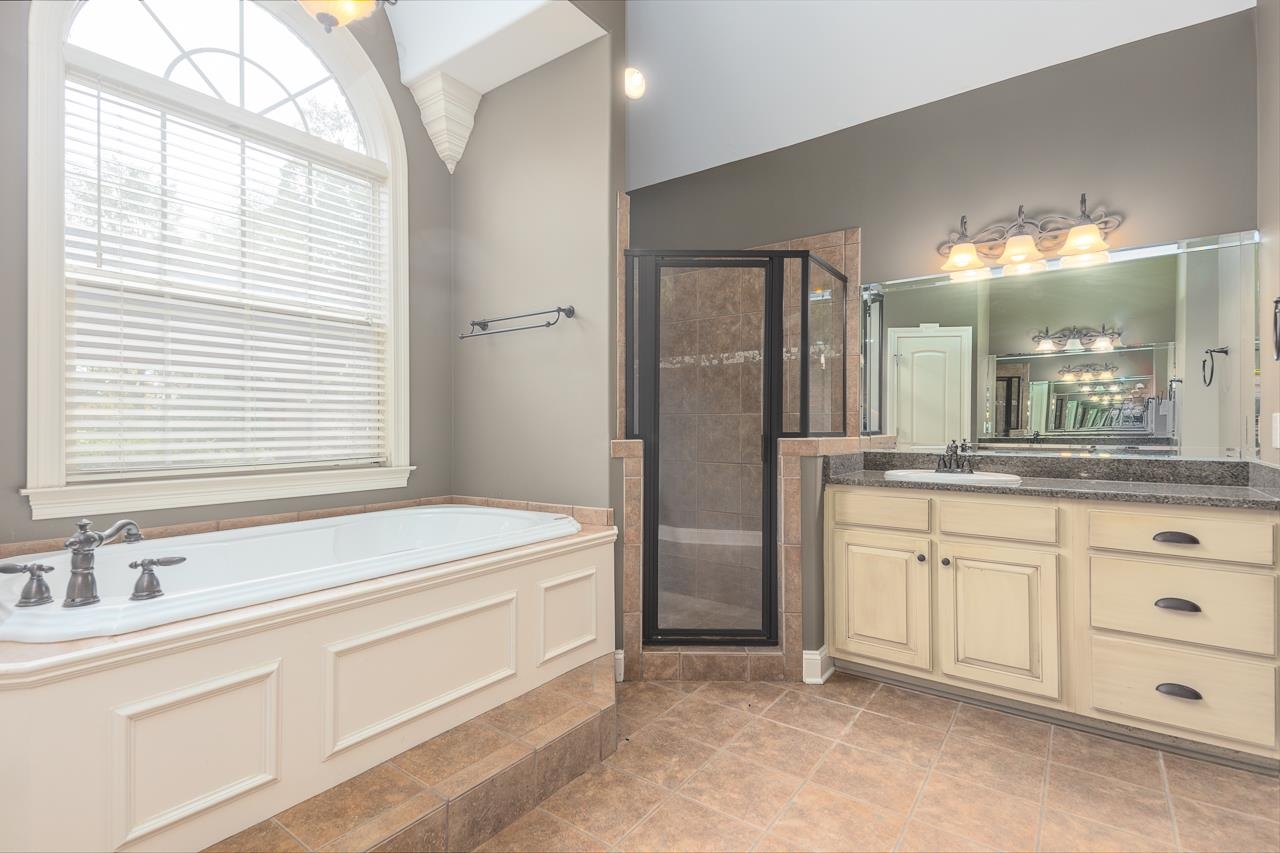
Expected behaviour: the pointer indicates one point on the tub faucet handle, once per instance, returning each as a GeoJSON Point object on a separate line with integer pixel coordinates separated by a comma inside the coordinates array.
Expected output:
{"type": "Point", "coordinates": [36, 590]}
{"type": "Point", "coordinates": [148, 584]}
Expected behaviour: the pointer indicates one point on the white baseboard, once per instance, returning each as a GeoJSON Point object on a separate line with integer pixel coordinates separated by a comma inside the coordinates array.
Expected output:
{"type": "Point", "coordinates": [617, 664]}
{"type": "Point", "coordinates": [817, 666]}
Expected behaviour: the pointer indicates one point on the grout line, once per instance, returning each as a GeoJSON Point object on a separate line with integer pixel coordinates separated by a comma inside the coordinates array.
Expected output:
{"type": "Point", "coordinates": [1168, 800]}
{"type": "Point", "coordinates": [911, 812]}
{"type": "Point", "coordinates": [286, 831]}
{"type": "Point", "coordinates": [1044, 791]}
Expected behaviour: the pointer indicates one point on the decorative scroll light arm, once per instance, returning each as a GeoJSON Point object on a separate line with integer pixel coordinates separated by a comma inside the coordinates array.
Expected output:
{"type": "Point", "coordinates": [1050, 231]}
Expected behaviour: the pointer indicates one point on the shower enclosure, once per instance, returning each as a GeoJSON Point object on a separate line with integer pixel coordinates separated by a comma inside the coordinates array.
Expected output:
{"type": "Point", "coordinates": [727, 351]}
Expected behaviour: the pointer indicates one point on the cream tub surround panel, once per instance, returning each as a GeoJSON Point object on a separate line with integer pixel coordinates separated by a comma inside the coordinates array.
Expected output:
{"type": "Point", "coordinates": [1052, 603]}
{"type": "Point", "coordinates": [178, 736]}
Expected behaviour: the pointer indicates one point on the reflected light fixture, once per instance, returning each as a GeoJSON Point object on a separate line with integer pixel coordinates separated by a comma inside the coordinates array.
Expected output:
{"type": "Point", "coordinates": [633, 84]}
{"type": "Point", "coordinates": [1084, 245]}
{"type": "Point", "coordinates": [339, 13]}
{"type": "Point", "coordinates": [963, 262]}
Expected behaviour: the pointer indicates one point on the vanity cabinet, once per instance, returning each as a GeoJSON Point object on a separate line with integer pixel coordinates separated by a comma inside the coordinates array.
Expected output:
{"type": "Point", "coordinates": [1158, 617]}
{"type": "Point", "coordinates": [998, 616]}
{"type": "Point", "coordinates": [880, 597]}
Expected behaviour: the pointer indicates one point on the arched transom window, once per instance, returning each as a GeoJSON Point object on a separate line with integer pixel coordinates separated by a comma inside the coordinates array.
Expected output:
{"type": "Point", "coordinates": [227, 279]}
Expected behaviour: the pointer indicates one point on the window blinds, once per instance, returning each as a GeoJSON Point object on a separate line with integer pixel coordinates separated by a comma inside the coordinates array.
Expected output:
{"type": "Point", "coordinates": [226, 298]}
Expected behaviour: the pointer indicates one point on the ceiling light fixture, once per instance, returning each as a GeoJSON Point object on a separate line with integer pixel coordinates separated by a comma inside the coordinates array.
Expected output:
{"type": "Point", "coordinates": [633, 84]}
{"type": "Point", "coordinates": [339, 13]}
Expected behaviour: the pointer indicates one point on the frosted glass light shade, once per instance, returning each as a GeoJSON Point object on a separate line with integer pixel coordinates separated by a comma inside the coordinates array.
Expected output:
{"type": "Point", "coordinates": [1046, 345]}
{"type": "Point", "coordinates": [1020, 249]}
{"type": "Point", "coordinates": [964, 256]}
{"type": "Point", "coordinates": [338, 13]}
{"type": "Point", "coordinates": [1083, 239]}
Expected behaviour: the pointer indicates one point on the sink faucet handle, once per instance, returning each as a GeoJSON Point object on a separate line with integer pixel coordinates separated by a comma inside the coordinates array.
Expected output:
{"type": "Point", "coordinates": [148, 584]}
{"type": "Point", "coordinates": [36, 590]}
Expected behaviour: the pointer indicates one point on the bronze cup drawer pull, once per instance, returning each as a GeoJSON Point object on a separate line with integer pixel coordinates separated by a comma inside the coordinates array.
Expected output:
{"type": "Point", "coordinates": [1179, 604]}
{"type": "Point", "coordinates": [1178, 691]}
{"type": "Point", "coordinates": [1175, 537]}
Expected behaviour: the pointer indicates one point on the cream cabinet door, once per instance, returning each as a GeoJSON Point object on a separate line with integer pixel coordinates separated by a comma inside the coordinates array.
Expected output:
{"type": "Point", "coordinates": [880, 597]}
{"type": "Point", "coordinates": [998, 616]}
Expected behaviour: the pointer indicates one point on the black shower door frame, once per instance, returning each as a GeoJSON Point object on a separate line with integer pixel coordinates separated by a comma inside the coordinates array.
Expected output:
{"type": "Point", "coordinates": [643, 313]}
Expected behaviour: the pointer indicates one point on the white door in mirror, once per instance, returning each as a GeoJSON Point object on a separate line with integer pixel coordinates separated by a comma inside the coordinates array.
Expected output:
{"type": "Point", "coordinates": [980, 478]}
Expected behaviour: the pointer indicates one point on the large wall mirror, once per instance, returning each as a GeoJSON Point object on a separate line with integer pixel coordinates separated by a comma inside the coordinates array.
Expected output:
{"type": "Point", "coordinates": [1155, 352]}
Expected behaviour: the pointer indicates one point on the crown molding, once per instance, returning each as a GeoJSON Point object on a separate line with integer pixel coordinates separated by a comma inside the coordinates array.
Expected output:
{"type": "Point", "coordinates": [448, 108]}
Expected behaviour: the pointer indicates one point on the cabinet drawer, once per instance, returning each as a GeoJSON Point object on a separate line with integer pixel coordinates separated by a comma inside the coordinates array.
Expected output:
{"type": "Point", "coordinates": [1238, 697]}
{"type": "Point", "coordinates": [1212, 607]}
{"type": "Point", "coordinates": [1182, 536]}
{"type": "Point", "coordinates": [1019, 522]}
{"type": "Point", "coordinates": [873, 510]}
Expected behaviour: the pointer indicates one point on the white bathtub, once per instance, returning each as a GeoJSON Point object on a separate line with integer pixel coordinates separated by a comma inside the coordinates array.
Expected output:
{"type": "Point", "coordinates": [237, 568]}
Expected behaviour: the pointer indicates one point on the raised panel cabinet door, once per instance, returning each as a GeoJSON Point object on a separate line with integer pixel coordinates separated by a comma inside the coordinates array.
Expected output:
{"type": "Point", "coordinates": [880, 597]}
{"type": "Point", "coordinates": [998, 617]}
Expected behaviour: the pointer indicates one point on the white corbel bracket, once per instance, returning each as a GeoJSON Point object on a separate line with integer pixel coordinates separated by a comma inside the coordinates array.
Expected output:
{"type": "Point", "coordinates": [448, 112]}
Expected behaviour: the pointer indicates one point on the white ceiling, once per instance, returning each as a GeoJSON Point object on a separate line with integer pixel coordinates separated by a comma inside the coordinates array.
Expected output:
{"type": "Point", "coordinates": [728, 79]}
{"type": "Point", "coordinates": [485, 43]}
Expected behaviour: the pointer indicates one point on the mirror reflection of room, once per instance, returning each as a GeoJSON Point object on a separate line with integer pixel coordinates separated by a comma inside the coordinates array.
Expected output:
{"type": "Point", "coordinates": [1153, 352]}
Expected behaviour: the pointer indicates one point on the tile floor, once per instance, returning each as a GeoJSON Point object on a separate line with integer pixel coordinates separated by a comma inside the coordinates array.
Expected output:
{"type": "Point", "coordinates": [857, 765]}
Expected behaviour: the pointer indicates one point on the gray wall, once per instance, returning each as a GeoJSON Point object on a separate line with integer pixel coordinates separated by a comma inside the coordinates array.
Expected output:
{"type": "Point", "coordinates": [428, 300]}
{"type": "Point", "coordinates": [533, 202]}
{"type": "Point", "coordinates": [1162, 129]}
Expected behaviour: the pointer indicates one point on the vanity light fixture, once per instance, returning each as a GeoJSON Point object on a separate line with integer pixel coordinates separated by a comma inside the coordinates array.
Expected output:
{"type": "Point", "coordinates": [339, 13]}
{"type": "Point", "coordinates": [1088, 372]}
{"type": "Point", "coordinates": [1020, 246]}
{"type": "Point", "coordinates": [1076, 339]}
{"type": "Point", "coordinates": [633, 84]}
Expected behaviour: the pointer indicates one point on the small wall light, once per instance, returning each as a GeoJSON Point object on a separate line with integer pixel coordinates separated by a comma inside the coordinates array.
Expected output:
{"type": "Point", "coordinates": [963, 261]}
{"type": "Point", "coordinates": [633, 84]}
{"type": "Point", "coordinates": [1021, 255]}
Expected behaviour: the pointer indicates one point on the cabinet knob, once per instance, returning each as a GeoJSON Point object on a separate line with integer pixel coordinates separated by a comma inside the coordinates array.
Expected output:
{"type": "Point", "coordinates": [1179, 691]}
{"type": "Point", "coordinates": [920, 558]}
{"type": "Point", "coordinates": [946, 561]}
{"type": "Point", "coordinates": [1180, 604]}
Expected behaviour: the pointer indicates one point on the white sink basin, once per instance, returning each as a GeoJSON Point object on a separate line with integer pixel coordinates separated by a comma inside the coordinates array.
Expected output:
{"type": "Point", "coordinates": [980, 478]}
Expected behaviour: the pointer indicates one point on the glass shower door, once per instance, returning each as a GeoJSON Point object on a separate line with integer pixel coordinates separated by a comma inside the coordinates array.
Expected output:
{"type": "Point", "coordinates": [712, 575]}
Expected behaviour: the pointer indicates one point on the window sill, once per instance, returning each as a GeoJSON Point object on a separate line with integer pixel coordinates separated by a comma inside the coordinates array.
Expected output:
{"type": "Point", "coordinates": [138, 495]}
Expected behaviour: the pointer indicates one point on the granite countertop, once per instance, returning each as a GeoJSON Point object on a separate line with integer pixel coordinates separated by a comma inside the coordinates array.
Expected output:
{"type": "Point", "coordinates": [1175, 494]}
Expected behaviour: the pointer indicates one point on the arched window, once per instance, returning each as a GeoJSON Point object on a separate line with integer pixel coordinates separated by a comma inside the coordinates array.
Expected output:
{"type": "Point", "coordinates": [217, 247]}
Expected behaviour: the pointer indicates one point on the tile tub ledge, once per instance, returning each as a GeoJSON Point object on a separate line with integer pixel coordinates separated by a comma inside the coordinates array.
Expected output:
{"type": "Point", "coordinates": [24, 665]}
{"type": "Point", "coordinates": [1169, 494]}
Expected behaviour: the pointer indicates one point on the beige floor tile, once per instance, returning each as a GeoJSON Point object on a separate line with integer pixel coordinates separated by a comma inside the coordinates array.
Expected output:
{"type": "Point", "coordinates": [449, 753]}
{"type": "Point", "coordinates": [660, 756]}
{"type": "Point", "coordinates": [1003, 730]}
{"type": "Point", "coordinates": [812, 714]}
{"type": "Point", "coordinates": [483, 770]}
{"type": "Point", "coordinates": [1202, 827]}
{"type": "Point", "coordinates": [627, 726]}
{"type": "Point", "coordinates": [922, 837]}
{"type": "Point", "coordinates": [820, 819]}
{"type": "Point", "coordinates": [1134, 764]}
{"type": "Point", "coordinates": [1015, 773]}
{"type": "Point", "coordinates": [428, 835]}
{"type": "Point", "coordinates": [337, 811]}
{"type": "Point", "coordinates": [932, 711]}
{"type": "Point", "coordinates": [707, 721]}
{"type": "Point", "coordinates": [1110, 801]}
{"type": "Point", "coordinates": [849, 689]}
{"type": "Point", "coordinates": [741, 789]}
{"type": "Point", "coordinates": [1223, 786]}
{"type": "Point", "coordinates": [539, 832]}
{"type": "Point", "coordinates": [265, 837]}
{"type": "Point", "coordinates": [751, 696]}
{"type": "Point", "coordinates": [898, 739]}
{"type": "Point", "coordinates": [683, 825]}
{"type": "Point", "coordinates": [973, 811]}
{"type": "Point", "coordinates": [645, 700]}
{"type": "Point", "coordinates": [778, 746]}
{"type": "Point", "coordinates": [774, 844]}
{"type": "Point", "coordinates": [871, 776]}
{"type": "Point", "coordinates": [1067, 833]}
{"type": "Point", "coordinates": [390, 823]}
{"type": "Point", "coordinates": [605, 803]}
{"type": "Point", "coordinates": [528, 712]}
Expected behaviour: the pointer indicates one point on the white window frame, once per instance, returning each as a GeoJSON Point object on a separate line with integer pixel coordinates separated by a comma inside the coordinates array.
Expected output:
{"type": "Point", "coordinates": [47, 488]}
